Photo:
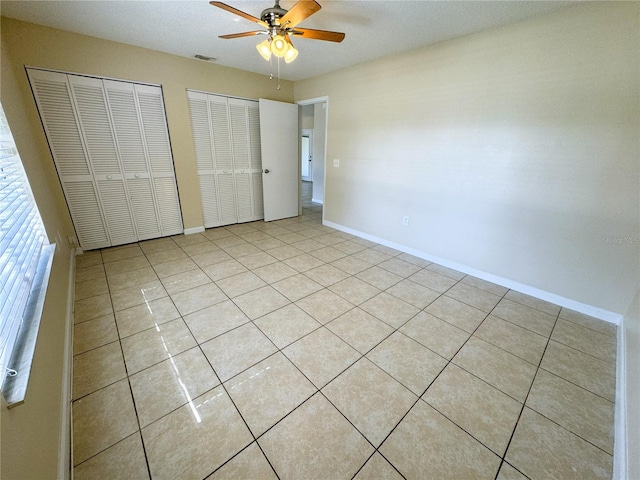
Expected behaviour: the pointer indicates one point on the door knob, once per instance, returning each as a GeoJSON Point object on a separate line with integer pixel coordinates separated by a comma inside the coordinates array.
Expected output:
{"type": "Point", "coordinates": [266, 170]}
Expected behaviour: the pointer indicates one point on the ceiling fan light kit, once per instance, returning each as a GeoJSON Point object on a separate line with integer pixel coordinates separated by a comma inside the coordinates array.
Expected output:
{"type": "Point", "coordinates": [265, 49]}
{"type": "Point", "coordinates": [280, 24]}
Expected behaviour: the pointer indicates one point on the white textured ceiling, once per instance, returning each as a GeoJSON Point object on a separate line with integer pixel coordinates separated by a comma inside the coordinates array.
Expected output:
{"type": "Point", "coordinates": [373, 29]}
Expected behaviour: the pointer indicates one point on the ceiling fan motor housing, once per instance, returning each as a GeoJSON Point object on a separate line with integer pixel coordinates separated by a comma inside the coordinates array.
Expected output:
{"type": "Point", "coordinates": [273, 15]}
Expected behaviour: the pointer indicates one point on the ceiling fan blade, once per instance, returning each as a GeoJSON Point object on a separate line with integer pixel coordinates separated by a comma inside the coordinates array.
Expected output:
{"type": "Point", "coordinates": [301, 10]}
{"type": "Point", "coordinates": [318, 34]}
{"type": "Point", "coordinates": [243, 34]}
{"type": "Point", "coordinates": [240, 13]}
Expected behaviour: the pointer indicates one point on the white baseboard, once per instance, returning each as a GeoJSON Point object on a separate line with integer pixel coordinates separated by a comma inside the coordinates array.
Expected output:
{"type": "Point", "coordinates": [315, 200]}
{"type": "Point", "coordinates": [64, 446]}
{"type": "Point", "coordinates": [590, 310]}
{"type": "Point", "coordinates": [190, 231]}
{"type": "Point", "coordinates": [620, 425]}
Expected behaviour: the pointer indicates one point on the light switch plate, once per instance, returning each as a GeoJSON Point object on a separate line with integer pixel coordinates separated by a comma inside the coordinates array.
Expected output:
{"type": "Point", "coordinates": [336, 163]}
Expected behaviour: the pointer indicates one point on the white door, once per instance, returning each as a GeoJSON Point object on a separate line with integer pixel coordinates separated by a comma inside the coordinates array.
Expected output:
{"type": "Point", "coordinates": [306, 155]}
{"type": "Point", "coordinates": [280, 160]}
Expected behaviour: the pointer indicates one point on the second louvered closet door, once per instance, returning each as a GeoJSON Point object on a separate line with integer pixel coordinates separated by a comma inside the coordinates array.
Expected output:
{"type": "Point", "coordinates": [226, 136]}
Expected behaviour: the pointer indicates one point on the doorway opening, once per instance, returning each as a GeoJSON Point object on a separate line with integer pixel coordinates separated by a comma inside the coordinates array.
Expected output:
{"type": "Point", "coordinates": [313, 137]}
{"type": "Point", "coordinates": [306, 157]}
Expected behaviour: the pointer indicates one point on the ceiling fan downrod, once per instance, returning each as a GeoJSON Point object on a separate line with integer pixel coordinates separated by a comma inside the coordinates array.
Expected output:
{"type": "Point", "coordinates": [273, 15]}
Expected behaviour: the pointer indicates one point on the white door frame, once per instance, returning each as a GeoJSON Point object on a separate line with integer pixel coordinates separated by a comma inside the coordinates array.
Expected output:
{"type": "Point", "coordinates": [313, 101]}
{"type": "Point", "coordinates": [308, 132]}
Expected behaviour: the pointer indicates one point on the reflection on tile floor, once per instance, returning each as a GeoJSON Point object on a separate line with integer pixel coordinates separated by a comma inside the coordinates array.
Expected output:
{"type": "Point", "coordinates": [291, 350]}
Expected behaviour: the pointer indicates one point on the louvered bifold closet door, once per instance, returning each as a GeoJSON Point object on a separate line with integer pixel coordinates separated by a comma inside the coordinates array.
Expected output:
{"type": "Point", "coordinates": [158, 149]}
{"type": "Point", "coordinates": [110, 144]}
{"type": "Point", "coordinates": [202, 140]}
{"type": "Point", "coordinates": [53, 99]}
{"type": "Point", "coordinates": [226, 136]}
{"type": "Point", "coordinates": [95, 124]}
{"type": "Point", "coordinates": [253, 110]}
{"type": "Point", "coordinates": [219, 115]}
{"type": "Point", "coordinates": [241, 158]}
{"type": "Point", "coordinates": [128, 133]}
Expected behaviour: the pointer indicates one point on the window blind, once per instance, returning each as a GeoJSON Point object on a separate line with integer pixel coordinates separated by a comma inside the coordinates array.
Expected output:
{"type": "Point", "coordinates": [22, 238]}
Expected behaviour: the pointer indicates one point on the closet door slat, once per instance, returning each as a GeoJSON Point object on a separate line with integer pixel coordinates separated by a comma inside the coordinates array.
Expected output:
{"type": "Point", "coordinates": [96, 124]}
{"type": "Point", "coordinates": [55, 105]}
{"type": "Point", "coordinates": [227, 197]}
{"type": "Point", "coordinates": [130, 142]}
{"type": "Point", "coordinates": [205, 161]}
{"type": "Point", "coordinates": [158, 148]}
{"type": "Point", "coordinates": [209, 195]}
{"type": "Point", "coordinates": [91, 105]}
{"type": "Point", "coordinates": [253, 110]}
{"type": "Point", "coordinates": [221, 135]}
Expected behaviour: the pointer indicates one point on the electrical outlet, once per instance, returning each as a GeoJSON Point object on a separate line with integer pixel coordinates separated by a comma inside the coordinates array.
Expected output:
{"type": "Point", "coordinates": [405, 220]}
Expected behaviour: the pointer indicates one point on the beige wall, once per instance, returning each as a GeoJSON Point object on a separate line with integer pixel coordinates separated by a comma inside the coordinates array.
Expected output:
{"type": "Point", "coordinates": [513, 151]}
{"type": "Point", "coordinates": [307, 117]}
{"type": "Point", "coordinates": [37, 46]}
{"type": "Point", "coordinates": [31, 432]}
{"type": "Point", "coordinates": [319, 142]}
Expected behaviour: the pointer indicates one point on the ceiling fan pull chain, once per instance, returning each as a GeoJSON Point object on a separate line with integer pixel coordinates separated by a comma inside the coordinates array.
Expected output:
{"type": "Point", "coordinates": [278, 88]}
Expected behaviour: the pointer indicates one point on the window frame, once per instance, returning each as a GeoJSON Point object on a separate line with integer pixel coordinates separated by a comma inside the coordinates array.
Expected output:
{"type": "Point", "coordinates": [27, 258]}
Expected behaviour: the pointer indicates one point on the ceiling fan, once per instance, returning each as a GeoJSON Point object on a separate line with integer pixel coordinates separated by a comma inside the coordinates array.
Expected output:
{"type": "Point", "coordinates": [281, 25]}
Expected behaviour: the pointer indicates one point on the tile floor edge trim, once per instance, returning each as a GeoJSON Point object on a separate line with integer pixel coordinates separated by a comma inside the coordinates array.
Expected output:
{"type": "Point", "coordinates": [65, 451]}
{"type": "Point", "coordinates": [192, 230]}
{"type": "Point", "coordinates": [599, 313]}
{"type": "Point", "coordinates": [620, 456]}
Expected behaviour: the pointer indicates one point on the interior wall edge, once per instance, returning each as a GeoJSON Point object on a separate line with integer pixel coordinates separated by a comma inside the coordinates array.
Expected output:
{"type": "Point", "coordinates": [593, 311]}
{"type": "Point", "coordinates": [620, 409]}
{"type": "Point", "coordinates": [64, 448]}
{"type": "Point", "coordinates": [627, 434]}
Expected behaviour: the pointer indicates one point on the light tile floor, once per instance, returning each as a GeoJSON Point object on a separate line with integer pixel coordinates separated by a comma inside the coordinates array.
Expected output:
{"type": "Point", "coordinates": [291, 350]}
